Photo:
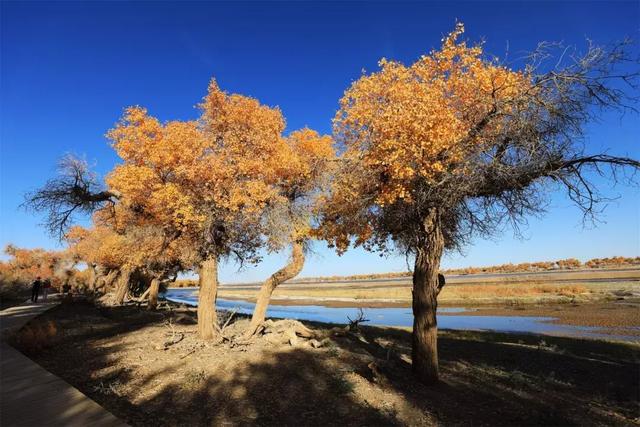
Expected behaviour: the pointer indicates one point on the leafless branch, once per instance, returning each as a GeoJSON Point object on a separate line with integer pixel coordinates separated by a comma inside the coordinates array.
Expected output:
{"type": "Point", "coordinates": [74, 191]}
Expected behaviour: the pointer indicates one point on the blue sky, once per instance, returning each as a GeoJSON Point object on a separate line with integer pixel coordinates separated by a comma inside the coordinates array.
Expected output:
{"type": "Point", "coordinates": [69, 69]}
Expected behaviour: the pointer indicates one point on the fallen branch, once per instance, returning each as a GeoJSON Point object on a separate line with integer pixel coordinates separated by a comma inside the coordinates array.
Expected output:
{"type": "Point", "coordinates": [354, 324]}
{"type": "Point", "coordinates": [175, 339]}
{"type": "Point", "coordinates": [142, 297]}
{"type": "Point", "coordinates": [228, 320]}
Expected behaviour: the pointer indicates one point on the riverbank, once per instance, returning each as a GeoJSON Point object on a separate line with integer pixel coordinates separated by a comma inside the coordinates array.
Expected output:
{"type": "Point", "coordinates": [118, 356]}
{"type": "Point", "coordinates": [618, 319]}
{"type": "Point", "coordinates": [487, 289]}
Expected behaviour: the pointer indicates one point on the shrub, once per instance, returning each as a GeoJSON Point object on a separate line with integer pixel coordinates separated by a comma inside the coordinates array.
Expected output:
{"type": "Point", "coordinates": [37, 336]}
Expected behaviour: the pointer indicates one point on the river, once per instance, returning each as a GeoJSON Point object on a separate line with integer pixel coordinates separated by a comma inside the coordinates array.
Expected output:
{"type": "Point", "coordinates": [453, 318]}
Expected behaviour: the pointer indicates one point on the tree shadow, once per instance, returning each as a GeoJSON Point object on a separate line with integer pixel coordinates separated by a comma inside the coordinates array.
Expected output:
{"type": "Point", "coordinates": [517, 379]}
{"type": "Point", "coordinates": [361, 379]}
{"type": "Point", "coordinates": [293, 387]}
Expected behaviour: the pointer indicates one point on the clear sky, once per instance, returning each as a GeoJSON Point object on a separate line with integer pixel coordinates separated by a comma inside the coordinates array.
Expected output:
{"type": "Point", "coordinates": [69, 69]}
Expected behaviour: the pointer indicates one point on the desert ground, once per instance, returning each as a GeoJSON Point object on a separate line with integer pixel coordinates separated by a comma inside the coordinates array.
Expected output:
{"type": "Point", "coordinates": [149, 369]}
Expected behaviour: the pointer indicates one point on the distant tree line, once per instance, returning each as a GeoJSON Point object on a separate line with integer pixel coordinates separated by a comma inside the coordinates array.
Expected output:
{"type": "Point", "coordinates": [563, 264]}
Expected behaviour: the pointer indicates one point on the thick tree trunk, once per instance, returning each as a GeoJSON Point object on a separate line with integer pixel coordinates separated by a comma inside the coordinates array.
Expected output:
{"type": "Point", "coordinates": [425, 304]}
{"type": "Point", "coordinates": [289, 271]}
{"type": "Point", "coordinates": [207, 318]}
{"type": "Point", "coordinates": [153, 293]}
{"type": "Point", "coordinates": [123, 285]}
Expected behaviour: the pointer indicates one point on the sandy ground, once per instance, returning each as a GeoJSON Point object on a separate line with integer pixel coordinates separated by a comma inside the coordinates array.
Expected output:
{"type": "Point", "coordinates": [119, 358]}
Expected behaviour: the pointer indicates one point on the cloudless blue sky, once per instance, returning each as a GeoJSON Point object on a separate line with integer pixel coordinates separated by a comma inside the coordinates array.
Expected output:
{"type": "Point", "coordinates": [69, 68]}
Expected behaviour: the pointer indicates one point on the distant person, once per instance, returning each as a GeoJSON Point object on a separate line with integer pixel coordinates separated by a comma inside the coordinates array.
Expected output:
{"type": "Point", "coordinates": [45, 289]}
{"type": "Point", "coordinates": [35, 289]}
{"type": "Point", "coordinates": [66, 288]}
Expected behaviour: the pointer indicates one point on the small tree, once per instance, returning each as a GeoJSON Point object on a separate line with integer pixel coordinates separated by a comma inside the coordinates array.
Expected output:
{"type": "Point", "coordinates": [455, 144]}
{"type": "Point", "coordinates": [109, 254]}
{"type": "Point", "coordinates": [305, 161]}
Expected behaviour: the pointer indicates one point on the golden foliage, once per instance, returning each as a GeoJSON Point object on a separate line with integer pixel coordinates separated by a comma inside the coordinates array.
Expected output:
{"type": "Point", "coordinates": [24, 265]}
{"type": "Point", "coordinates": [410, 126]}
{"type": "Point", "coordinates": [206, 182]}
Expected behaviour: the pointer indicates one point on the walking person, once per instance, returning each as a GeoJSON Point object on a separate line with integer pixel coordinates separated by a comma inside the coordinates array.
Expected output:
{"type": "Point", "coordinates": [45, 289]}
{"type": "Point", "coordinates": [35, 289]}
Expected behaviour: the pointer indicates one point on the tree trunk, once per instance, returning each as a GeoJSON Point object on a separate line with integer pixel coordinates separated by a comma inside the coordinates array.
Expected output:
{"type": "Point", "coordinates": [105, 280]}
{"type": "Point", "coordinates": [93, 277]}
{"type": "Point", "coordinates": [144, 295]}
{"type": "Point", "coordinates": [110, 278]}
{"type": "Point", "coordinates": [123, 285]}
{"type": "Point", "coordinates": [207, 317]}
{"type": "Point", "coordinates": [289, 271]}
{"type": "Point", "coordinates": [425, 294]}
{"type": "Point", "coordinates": [153, 293]}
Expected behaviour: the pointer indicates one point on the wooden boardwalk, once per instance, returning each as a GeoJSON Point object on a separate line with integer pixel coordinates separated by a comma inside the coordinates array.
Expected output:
{"type": "Point", "coordinates": [32, 396]}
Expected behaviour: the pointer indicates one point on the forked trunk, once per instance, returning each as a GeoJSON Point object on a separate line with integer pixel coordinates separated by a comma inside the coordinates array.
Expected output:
{"type": "Point", "coordinates": [425, 293]}
{"type": "Point", "coordinates": [123, 285]}
{"type": "Point", "coordinates": [153, 293]}
{"type": "Point", "coordinates": [289, 271]}
{"type": "Point", "coordinates": [207, 318]}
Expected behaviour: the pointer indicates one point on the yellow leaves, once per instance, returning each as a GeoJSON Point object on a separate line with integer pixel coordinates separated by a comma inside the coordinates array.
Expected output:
{"type": "Point", "coordinates": [303, 160]}
{"type": "Point", "coordinates": [242, 124]}
{"type": "Point", "coordinates": [411, 121]}
{"type": "Point", "coordinates": [410, 126]}
{"type": "Point", "coordinates": [223, 169]}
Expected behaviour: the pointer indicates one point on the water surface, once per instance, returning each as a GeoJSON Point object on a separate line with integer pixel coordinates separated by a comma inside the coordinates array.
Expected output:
{"type": "Point", "coordinates": [403, 317]}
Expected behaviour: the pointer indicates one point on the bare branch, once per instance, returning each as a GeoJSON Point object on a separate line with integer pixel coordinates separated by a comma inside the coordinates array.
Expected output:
{"type": "Point", "coordinates": [74, 191]}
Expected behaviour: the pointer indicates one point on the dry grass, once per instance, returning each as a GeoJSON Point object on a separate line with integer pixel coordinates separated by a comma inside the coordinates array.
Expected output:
{"type": "Point", "coordinates": [38, 336]}
{"type": "Point", "coordinates": [628, 271]}
{"type": "Point", "coordinates": [513, 291]}
{"type": "Point", "coordinates": [449, 293]}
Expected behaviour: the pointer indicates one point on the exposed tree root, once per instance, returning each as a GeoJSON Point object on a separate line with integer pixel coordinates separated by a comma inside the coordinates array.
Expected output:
{"type": "Point", "coordinates": [284, 332]}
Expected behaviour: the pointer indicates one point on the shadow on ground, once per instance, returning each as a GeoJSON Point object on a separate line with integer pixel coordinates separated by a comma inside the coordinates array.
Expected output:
{"type": "Point", "coordinates": [361, 379]}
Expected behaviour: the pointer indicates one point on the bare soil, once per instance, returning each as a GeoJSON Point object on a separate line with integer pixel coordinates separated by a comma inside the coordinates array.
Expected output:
{"type": "Point", "coordinates": [149, 369]}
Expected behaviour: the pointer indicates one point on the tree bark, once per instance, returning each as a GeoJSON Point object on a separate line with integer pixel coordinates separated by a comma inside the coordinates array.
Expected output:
{"type": "Point", "coordinates": [207, 317]}
{"type": "Point", "coordinates": [144, 295]}
{"type": "Point", "coordinates": [289, 271]}
{"type": "Point", "coordinates": [425, 304]}
{"type": "Point", "coordinates": [105, 280]}
{"type": "Point", "coordinates": [93, 277]}
{"type": "Point", "coordinates": [123, 285]}
{"type": "Point", "coordinates": [153, 293]}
